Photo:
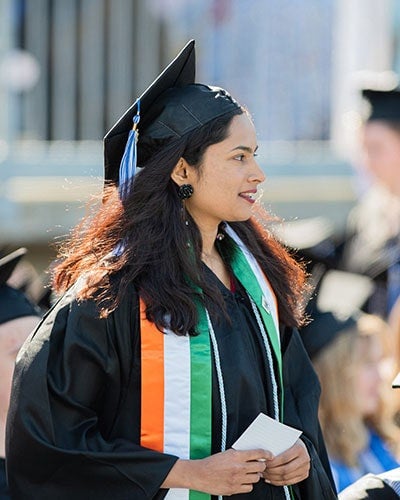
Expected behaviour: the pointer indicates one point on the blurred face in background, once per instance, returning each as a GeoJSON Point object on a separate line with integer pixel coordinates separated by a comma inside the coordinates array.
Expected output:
{"type": "Point", "coordinates": [381, 144]}
{"type": "Point", "coordinates": [12, 335]}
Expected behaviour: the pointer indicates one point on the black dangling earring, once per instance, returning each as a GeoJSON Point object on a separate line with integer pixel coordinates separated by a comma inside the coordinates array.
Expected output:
{"type": "Point", "coordinates": [220, 234]}
{"type": "Point", "coordinates": [185, 191]}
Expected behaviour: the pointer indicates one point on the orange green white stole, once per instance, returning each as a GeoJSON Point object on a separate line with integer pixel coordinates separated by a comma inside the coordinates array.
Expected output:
{"type": "Point", "coordinates": [176, 397]}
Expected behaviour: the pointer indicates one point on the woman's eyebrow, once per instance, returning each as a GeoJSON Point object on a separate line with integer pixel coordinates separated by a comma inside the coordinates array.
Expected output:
{"type": "Point", "coordinates": [245, 148]}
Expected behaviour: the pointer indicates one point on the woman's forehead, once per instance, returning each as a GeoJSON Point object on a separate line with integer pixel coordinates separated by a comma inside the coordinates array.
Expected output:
{"type": "Point", "coordinates": [241, 132]}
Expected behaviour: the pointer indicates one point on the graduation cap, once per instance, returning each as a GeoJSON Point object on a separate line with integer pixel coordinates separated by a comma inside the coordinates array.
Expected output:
{"type": "Point", "coordinates": [9, 262]}
{"type": "Point", "coordinates": [396, 382]}
{"type": "Point", "coordinates": [13, 303]}
{"type": "Point", "coordinates": [383, 486]}
{"type": "Point", "coordinates": [170, 107]}
{"type": "Point", "coordinates": [334, 308]}
{"type": "Point", "coordinates": [385, 104]}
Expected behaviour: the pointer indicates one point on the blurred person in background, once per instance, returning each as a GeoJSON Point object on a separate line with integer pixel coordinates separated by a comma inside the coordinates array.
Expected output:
{"type": "Point", "coordinates": [394, 322]}
{"type": "Point", "coordinates": [355, 411]}
{"type": "Point", "coordinates": [169, 339]}
{"type": "Point", "coordinates": [373, 241]}
{"type": "Point", "coordinates": [384, 486]}
{"type": "Point", "coordinates": [18, 317]}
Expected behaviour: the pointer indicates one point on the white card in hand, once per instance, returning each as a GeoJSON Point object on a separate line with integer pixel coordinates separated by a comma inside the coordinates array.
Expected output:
{"type": "Point", "coordinates": [267, 434]}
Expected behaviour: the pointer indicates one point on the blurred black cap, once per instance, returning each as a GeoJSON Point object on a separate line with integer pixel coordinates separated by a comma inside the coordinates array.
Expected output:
{"type": "Point", "coordinates": [322, 330]}
{"type": "Point", "coordinates": [334, 308]}
{"type": "Point", "coordinates": [8, 263]}
{"type": "Point", "coordinates": [13, 303]}
{"type": "Point", "coordinates": [385, 104]}
{"type": "Point", "coordinates": [171, 106]}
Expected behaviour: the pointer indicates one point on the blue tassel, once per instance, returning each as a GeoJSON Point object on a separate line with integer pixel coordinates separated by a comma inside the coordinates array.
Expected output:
{"type": "Point", "coordinates": [127, 169]}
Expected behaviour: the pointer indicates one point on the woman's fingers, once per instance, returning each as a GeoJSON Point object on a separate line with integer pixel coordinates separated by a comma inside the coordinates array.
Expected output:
{"type": "Point", "coordinates": [289, 467]}
{"type": "Point", "coordinates": [230, 472]}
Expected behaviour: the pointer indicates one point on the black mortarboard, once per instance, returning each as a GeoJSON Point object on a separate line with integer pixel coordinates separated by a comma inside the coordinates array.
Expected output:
{"type": "Point", "coordinates": [337, 302]}
{"type": "Point", "coordinates": [171, 106]}
{"type": "Point", "coordinates": [322, 330]}
{"type": "Point", "coordinates": [385, 104]}
{"type": "Point", "coordinates": [9, 262]}
{"type": "Point", "coordinates": [13, 303]}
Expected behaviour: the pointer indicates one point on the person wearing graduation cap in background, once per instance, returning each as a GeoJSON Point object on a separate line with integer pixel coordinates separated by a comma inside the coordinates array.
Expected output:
{"type": "Point", "coordinates": [349, 350]}
{"type": "Point", "coordinates": [18, 317]}
{"type": "Point", "coordinates": [177, 326]}
{"type": "Point", "coordinates": [373, 242]}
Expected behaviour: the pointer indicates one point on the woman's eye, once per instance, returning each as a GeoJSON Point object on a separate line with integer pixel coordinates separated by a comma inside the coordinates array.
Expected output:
{"type": "Point", "coordinates": [240, 157]}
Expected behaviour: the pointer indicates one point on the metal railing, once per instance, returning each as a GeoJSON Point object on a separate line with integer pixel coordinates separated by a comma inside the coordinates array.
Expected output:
{"type": "Point", "coordinates": [87, 52]}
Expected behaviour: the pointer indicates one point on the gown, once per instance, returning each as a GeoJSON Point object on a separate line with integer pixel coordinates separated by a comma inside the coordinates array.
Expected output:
{"type": "Point", "coordinates": [4, 494]}
{"type": "Point", "coordinates": [74, 422]}
{"type": "Point", "coordinates": [372, 247]}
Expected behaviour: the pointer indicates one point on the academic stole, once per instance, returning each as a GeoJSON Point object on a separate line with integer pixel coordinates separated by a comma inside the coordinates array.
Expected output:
{"type": "Point", "coordinates": [176, 391]}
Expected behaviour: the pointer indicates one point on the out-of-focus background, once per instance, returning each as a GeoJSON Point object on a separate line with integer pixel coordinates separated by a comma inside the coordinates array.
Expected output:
{"type": "Point", "coordinates": [69, 68]}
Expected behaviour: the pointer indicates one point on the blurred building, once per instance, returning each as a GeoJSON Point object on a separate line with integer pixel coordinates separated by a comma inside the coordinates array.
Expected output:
{"type": "Point", "coordinates": [68, 69]}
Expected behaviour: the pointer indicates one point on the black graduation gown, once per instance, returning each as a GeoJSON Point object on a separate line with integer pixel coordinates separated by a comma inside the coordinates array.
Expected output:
{"type": "Point", "coordinates": [372, 246]}
{"type": "Point", "coordinates": [74, 419]}
{"type": "Point", "coordinates": [4, 494]}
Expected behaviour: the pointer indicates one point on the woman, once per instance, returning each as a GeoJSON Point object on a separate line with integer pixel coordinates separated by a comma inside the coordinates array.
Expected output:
{"type": "Point", "coordinates": [165, 345]}
{"type": "Point", "coordinates": [354, 422]}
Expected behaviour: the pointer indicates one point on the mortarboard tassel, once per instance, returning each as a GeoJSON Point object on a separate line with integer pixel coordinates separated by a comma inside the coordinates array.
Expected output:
{"type": "Point", "coordinates": [127, 167]}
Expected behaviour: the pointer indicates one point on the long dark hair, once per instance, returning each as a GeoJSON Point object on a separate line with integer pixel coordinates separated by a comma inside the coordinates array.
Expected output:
{"type": "Point", "coordinates": [149, 240]}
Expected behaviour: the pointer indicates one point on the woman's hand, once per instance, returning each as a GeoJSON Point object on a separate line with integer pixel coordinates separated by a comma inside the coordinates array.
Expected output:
{"type": "Point", "coordinates": [227, 473]}
{"type": "Point", "coordinates": [290, 467]}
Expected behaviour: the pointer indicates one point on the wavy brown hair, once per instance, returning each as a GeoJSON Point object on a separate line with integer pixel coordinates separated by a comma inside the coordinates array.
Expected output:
{"type": "Point", "coordinates": [149, 241]}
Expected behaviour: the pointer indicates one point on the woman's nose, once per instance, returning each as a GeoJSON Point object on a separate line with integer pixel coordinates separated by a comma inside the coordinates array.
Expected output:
{"type": "Point", "coordinates": [257, 174]}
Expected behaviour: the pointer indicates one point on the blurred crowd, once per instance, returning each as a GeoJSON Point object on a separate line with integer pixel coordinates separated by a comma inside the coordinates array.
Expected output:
{"type": "Point", "coordinates": [354, 317]}
{"type": "Point", "coordinates": [352, 333]}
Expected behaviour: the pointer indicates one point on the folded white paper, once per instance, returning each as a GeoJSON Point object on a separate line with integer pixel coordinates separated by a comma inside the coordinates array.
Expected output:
{"type": "Point", "coordinates": [267, 434]}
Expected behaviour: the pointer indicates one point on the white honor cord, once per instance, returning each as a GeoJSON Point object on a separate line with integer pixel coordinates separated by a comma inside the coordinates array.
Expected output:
{"type": "Point", "coordinates": [269, 357]}
{"type": "Point", "coordinates": [220, 385]}
{"type": "Point", "coordinates": [271, 371]}
{"type": "Point", "coordinates": [220, 382]}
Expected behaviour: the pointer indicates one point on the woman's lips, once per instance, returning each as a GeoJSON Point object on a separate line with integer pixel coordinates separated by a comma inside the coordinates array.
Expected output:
{"type": "Point", "coordinates": [249, 196]}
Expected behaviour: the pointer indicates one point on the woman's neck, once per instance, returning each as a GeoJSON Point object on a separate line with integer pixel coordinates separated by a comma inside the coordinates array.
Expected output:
{"type": "Point", "coordinates": [208, 240]}
{"type": "Point", "coordinates": [212, 258]}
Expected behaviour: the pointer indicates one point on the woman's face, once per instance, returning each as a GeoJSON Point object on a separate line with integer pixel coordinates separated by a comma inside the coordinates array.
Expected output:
{"type": "Point", "coordinates": [382, 154]}
{"type": "Point", "coordinates": [226, 187]}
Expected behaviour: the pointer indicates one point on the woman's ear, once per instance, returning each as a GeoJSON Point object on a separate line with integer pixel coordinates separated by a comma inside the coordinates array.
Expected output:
{"type": "Point", "coordinates": [181, 172]}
